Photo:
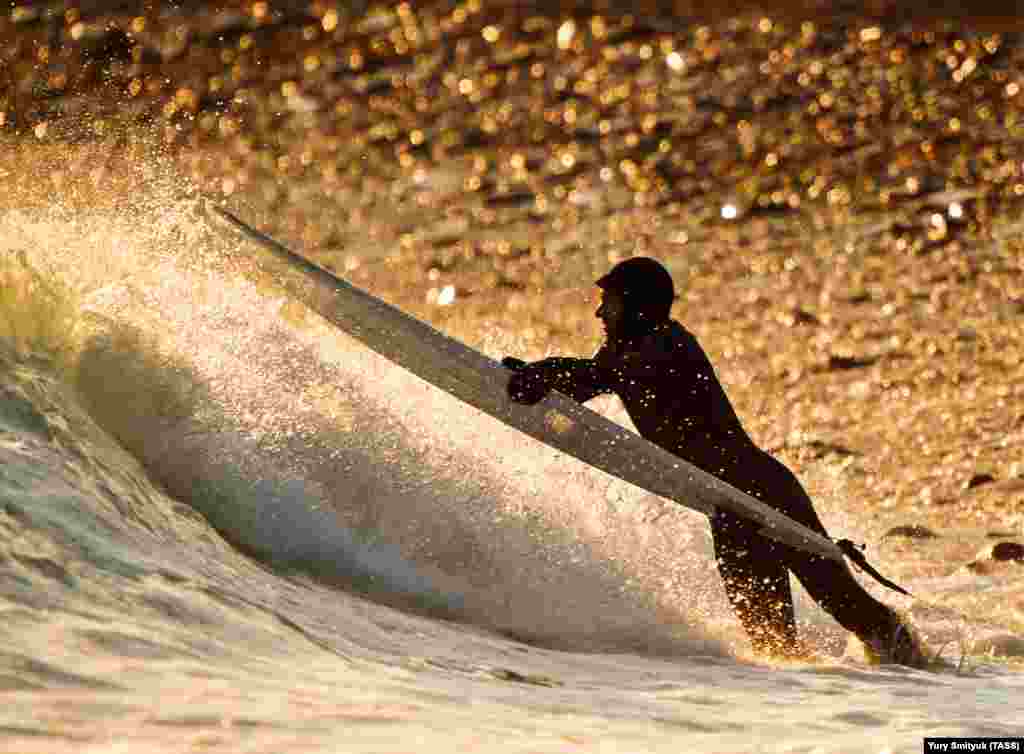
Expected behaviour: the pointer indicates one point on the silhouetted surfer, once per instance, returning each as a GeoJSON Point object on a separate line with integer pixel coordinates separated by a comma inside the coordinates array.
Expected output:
{"type": "Point", "coordinates": [658, 369]}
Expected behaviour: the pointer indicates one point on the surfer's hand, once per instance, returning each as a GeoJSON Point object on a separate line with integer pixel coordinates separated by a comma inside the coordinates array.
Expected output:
{"type": "Point", "coordinates": [529, 384]}
{"type": "Point", "coordinates": [511, 362]}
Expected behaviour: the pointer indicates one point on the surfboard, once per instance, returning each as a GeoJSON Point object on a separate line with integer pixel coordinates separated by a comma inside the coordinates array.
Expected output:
{"type": "Point", "coordinates": [481, 382]}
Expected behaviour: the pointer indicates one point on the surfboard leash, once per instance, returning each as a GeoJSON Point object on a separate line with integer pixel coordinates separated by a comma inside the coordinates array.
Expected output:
{"type": "Point", "coordinates": [855, 553]}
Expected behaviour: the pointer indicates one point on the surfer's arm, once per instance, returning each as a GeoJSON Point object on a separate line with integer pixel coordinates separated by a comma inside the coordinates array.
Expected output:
{"type": "Point", "coordinates": [579, 379]}
{"type": "Point", "coordinates": [652, 360]}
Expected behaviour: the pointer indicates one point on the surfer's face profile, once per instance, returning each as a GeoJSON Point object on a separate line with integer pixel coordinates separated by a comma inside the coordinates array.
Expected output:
{"type": "Point", "coordinates": [612, 312]}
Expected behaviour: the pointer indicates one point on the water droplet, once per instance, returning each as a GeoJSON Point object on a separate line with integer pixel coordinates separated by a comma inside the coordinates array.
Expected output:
{"type": "Point", "coordinates": [446, 296]}
{"type": "Point", "coordinates": [565, 34]}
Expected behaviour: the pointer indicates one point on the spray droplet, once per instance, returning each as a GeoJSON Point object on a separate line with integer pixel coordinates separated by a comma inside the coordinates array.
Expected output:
{"type": "Point", "coordinates": [446, 296]}
{"type": "Point", "coordinates": [565, 34]}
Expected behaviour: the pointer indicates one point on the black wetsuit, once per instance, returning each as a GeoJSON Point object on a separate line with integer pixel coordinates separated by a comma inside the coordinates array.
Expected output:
{"type": "Point", "coordinates": [675, 400]}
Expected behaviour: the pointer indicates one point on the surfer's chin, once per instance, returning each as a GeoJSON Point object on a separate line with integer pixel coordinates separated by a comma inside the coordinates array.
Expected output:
{"type": "Point", "coordinates": [612, 342]}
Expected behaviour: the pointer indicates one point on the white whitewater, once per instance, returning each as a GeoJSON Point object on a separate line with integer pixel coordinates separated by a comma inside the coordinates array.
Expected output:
{"type": "Point", "coordinates": [475, 592]}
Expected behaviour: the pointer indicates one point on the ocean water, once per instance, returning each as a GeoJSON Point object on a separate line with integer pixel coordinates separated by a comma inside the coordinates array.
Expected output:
{"type": "Point", "coordinates": [227, 526]}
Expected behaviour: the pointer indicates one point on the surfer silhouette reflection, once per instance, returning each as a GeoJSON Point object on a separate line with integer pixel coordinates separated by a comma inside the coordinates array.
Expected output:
{"type": "Point", "coordinates": [668, 386]}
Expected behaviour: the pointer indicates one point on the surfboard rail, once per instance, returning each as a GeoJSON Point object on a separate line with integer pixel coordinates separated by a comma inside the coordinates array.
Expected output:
{"type": "Point", "coordinates": [481, 382]}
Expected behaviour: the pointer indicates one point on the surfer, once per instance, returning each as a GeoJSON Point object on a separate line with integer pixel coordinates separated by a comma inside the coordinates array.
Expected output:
{"type": "Point", "coordinates": [668, 386]}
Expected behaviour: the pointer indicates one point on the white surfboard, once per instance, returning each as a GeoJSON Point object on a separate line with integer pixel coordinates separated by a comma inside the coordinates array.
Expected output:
{"type": "Point", "coordinates": [481, 382]}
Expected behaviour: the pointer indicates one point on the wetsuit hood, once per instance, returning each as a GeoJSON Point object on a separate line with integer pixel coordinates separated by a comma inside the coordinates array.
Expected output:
{"type": "Point", "coordinates": [646, 287]}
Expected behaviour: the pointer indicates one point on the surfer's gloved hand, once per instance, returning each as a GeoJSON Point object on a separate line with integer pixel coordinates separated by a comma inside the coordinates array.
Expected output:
{"type": "Point", "coordinates": [530, 383]}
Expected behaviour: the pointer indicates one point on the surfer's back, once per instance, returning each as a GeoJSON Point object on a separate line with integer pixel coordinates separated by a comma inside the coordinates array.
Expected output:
{"type": "Point", "coordinates": [672, 394]}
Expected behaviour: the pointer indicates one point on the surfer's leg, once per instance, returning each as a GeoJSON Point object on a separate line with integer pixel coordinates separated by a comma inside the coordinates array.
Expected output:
{"type": "Point", "coordinates": [828, 582]}
{"type": "Point", "coordinates": [757, 584]}
{"type": "Point", "coordinates": [833, 586]}
{"type": "Point", "coordinates": [779, 488]}
{"type": "Point", "coordinates": [887, 636]}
